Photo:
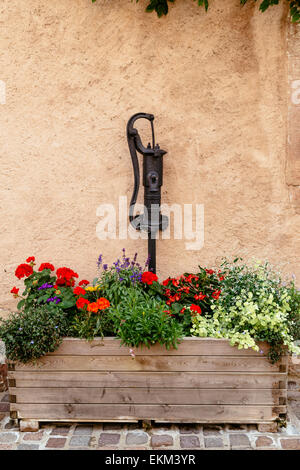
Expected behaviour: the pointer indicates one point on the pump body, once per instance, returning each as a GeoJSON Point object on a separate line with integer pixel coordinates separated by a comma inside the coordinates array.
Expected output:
{"type": "Point", "coordinates": [151, 220]}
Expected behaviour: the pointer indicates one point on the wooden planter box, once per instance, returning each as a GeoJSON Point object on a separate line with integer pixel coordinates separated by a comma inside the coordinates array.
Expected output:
{"type": "Point", "coordinates": [203, 381]}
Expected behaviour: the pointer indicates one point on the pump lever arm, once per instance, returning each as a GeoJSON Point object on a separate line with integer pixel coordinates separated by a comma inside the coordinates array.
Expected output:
{"type": "Point", "coordinates": [135, 144]}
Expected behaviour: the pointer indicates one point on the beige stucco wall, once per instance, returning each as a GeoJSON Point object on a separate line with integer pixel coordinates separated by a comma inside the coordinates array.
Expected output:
{"type": "Point", "coordinates": [217, 84]}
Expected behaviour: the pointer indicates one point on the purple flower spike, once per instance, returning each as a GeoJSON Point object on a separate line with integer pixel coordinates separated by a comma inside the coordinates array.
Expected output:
{"type": "Point", "coordinates": [99, 261]}
{"type": "Point", "coordinates": [45, 286]}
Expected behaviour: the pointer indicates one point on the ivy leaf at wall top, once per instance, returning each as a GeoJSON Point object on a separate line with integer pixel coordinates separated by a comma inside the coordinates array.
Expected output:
{"type": "Point", "coordinates": [161, 6]}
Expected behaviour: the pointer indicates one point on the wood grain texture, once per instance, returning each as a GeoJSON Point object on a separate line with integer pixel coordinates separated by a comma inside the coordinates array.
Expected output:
{"type": "Point", "coordinates": [189, 346]}
{"type": "Point", "coordinates": [148, 396]}
{"type": "Point", "coordinates": [205, 380]}
{"type": "Point", "coordinates": [152, 363]}
{"type": "Point", "coordinates": [186, 413]}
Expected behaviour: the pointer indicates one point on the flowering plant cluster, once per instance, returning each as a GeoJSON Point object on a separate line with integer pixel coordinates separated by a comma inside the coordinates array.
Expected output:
{"type": "Point", "coordinates": [190, 292]}
{"type": "Point", "coordinates": [254, 306]}
{"type": "Point", "coordinates": [242, 303]}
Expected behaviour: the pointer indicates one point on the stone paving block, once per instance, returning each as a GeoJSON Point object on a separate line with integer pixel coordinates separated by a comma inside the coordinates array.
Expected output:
{"type": "Point", "coordinates": [56, 442]}
{"type": "Point", "coordinates": [83, 429]}
{"type": "Point", "coordinates": [189, 429]}
{"type": "Point", "coordinates": [239, 440]}
{"type": "Point", "coordinates": [136, 448]}
{"type": "Point", "coordinates": [109, 448]}
{"type": "Point", "coordinates": [28, 447]}
{"type": "Point", "coordinates": [8, 437]}
{"type": "Point", "coordinates": [161, 440]}
{"type": "Point", "coordinates": [60, 431]}
{"type": "Point", "coordinates": [137, 437]}
{"type": "Point", "coordinates": [211, 429]}
{"type": "Point", "coordinates": [33, 436]}
{"type": "Point", "coordinates": [264, 441]}
{"type": "Point", "coordinates": [290, 444]}
{"type": "Point", "coordinates": [108, 439]}
{"type": "Point", "coordinates": [189, 442]}
{"type": "Point", "coordinates": [210, 442]}
{"type": "Point", "coordinates": [4, 407]}
{"type": "Point", "coordinates": [6, 447]}
{"type": "Point", "coordinates": [5, 398]}
{"type": "Point", "coordinates": [80, 441]}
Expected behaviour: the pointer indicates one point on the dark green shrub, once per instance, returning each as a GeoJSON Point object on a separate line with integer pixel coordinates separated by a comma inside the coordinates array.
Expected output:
{"type": "Point", "coordinates": [30, 334]}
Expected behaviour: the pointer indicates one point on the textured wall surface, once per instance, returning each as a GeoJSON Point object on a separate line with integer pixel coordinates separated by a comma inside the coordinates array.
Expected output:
{"type": "Point", "coordinates": [217, 84]}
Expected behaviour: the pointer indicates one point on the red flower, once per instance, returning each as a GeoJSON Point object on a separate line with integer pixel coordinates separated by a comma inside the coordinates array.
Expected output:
{"type": "Point", "coordinates": [182, 310]}
{"type": "Point", "coordinates": [209, 271]}
{"type": "Point", "coordinates": [65, 282]}
{"type": "Point", "coordinates": [103, 303]}
{"type": "Point", "coordinates": [15, 291]}
{"type": "Point", "coordinates": [84, 282]}
{"type": "Point", "coordinates": [31, 258]}
{"type": "Point", "coordinates": [216, 294]}
{"type": "Point", "coordinates": [23, 270]}
{"type": "Point", "coordinates": [166, 282]}
{"type": "Point", "coordinates": [46, 266]}
{"type": "Point", "coordinates": [196, 309]}
{"type": "Point", "coordinates": [221, 277]}
{"type": "Point", "coordinates": [81, 302]}
{"type": "Point", "coordinates": [79, 291]}
{"type": "Point", "coordinates": [67, 273]}
{"type": "Point", "coordinates": [149, 278]}
{"type": "Point", "coordinates": [199, 296]}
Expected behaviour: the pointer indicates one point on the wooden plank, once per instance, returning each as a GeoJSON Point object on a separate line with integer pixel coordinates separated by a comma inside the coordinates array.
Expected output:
{"type": "Point", "coordinates": [205, 380]}
{"type": "Point", "coordinates": [151, 363]}
{"type": "Point", "coordinates": [184, 413]}
{"type": "Point", "coordinates": [148, 396]}
{"type": "Point", "coordinates": [110, 346]}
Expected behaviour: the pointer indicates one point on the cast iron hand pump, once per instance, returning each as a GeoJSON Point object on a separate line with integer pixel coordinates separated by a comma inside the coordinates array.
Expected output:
{"type": "Point", "coordinates": [152, 220]}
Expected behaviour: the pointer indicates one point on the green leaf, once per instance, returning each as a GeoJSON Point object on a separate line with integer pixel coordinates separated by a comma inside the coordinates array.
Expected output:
{"type": "Point", "coordinates": [20, 304]}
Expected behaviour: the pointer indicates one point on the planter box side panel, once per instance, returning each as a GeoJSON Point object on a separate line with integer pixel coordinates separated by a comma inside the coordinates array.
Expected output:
{"type": "Point", "coordinates": [204, 380]}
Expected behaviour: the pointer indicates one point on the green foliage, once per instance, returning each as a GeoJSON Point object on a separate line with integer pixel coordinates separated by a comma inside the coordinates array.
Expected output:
{"type": "Point", "coordinates": [123, 274]}
{"type": "Point", "coordinates": [253, 306]}
{"type": "Point", "coordinates": [161, 6]}
{"type": "Point", "coordinates": [89, 325]}
{"type": "Point", "coordinates": [34, 293]}
{"type": "Point", "coordinates": [34, 332]}
{"type": "Point", "coordinates": [141, 320]}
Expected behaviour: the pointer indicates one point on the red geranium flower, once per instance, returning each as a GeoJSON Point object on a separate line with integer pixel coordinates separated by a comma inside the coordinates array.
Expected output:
{"type": "Point", "coordinates": [23, 270]}
{"type": "Point", "coordinates": [149, 278]}
{"type": "Point", "coordinates": [199, 296]}
{"type": "Point", "coordinates": [46, 266]}
{"type": "Point", "coordinates": [81, 302]}
{"type": "Point", "coordinates": [84, 282]}
{"type": "Point", "coordinates": [166, 282]}
{"type": "Point", "coordinates": [209, 271]}
{"type": "Point", "coordinates": [196, 309]}
{"type": "Point", "coordinates": [79, 291]}
{"type": "Point", "coordinates": [67, 273]}
{"type": "Point", "coordinates": [31, 258]}
{"type": "Point", "coordinates": [14, 291]}
{"type": "Point", "coordinates": [216, 294]}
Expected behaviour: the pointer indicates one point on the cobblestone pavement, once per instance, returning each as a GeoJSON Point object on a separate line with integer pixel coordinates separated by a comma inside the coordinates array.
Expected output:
{"type": "Point", "coordinates": [109, 436]}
